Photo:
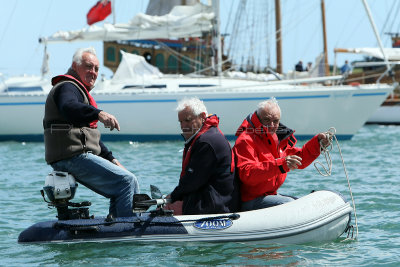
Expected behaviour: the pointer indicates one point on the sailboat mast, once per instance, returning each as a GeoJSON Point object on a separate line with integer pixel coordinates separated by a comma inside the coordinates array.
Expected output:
{"type": "Point", "coordinates": [113, 11]}
{"type": "Point", "coordinates": [378, 38]}
{"type": "Point", "coordinates": [218, 32]}
{"type": "Point", "coordinates": [324, 37]}
{"type": "Point", "coordinates": [278, 36]}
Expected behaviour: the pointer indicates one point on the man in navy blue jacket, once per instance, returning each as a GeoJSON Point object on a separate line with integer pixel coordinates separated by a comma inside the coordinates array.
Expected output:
{"type": "Point", "coordinates": [207, 183]}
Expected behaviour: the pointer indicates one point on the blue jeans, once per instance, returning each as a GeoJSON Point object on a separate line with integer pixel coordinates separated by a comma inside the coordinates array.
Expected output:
{"type": "Point", "coordinates": [105, 178]}
{"type": "Point", "coordinates": [265, 202]}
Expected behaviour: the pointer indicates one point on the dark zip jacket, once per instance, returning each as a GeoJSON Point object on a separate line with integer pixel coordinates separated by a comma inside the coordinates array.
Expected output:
{"type": "Point", "coordinates": [208, 183]}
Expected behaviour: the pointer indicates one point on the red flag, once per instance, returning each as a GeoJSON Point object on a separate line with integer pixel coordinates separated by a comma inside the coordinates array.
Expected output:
{"type": "Point", "coordinates": [99, 12]}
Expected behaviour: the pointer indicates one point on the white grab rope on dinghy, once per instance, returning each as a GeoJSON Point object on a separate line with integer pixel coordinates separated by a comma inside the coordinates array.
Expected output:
{"type": "Point", "coordinates": [326, 151]}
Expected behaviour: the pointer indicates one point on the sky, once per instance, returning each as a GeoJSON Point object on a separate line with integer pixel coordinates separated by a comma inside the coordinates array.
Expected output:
{"type": "Point", "coordinates": [22, 22]}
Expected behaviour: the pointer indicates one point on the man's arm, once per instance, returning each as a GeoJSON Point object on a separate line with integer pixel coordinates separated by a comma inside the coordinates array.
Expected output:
{"type": "Point", "coordinates": [70, 104]}
{"type": "Point", "coordinates": [308, 153]}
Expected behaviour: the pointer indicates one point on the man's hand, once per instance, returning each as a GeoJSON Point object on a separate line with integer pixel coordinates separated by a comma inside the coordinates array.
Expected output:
{"type": "Point", "coordinates": [293, 162]}
{"type": "Point", "coordinates": [116, 162]}
{"type": "Point", "coordinates": [176, 206]}
{"type": "Point", "coordinates": [323, 139]}
{"type": "Point", "coordinates": [108, 120]}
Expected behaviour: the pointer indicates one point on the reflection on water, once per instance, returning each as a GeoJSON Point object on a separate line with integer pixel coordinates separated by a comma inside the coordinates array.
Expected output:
{"type": "Point", "coordinates": [271, 255]}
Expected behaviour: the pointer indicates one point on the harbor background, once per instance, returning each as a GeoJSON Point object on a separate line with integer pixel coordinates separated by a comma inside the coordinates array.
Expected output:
{"type": "Point", "coordinates": [372, 161]}
{"type": "Point", "coordinates": [347, 27]}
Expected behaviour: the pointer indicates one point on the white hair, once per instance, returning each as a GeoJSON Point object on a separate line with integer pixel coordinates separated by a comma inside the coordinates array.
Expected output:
{"type": "Point", "coordinates": [77, 58]}
{"type": "Point", "coordinates": [271, 102]}
{"type": "Point", "coordinates": [195, 104]}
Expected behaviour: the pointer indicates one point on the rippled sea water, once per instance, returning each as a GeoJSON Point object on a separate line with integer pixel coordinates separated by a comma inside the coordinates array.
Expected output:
{"type": "Point", "coordinates": [372, 160]}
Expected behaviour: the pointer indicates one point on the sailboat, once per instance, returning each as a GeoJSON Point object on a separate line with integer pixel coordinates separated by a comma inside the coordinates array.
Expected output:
{"type": "Point", "coordinates": [144, 104]}
{"type": "Point", "coordinates": [389, 112]}
{"type": "Point", "coordinates": [380, 61]}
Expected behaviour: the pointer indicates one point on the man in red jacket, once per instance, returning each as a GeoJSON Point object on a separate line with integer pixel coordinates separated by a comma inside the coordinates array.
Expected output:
{"type": "Point", "coordinates": [265, 152]}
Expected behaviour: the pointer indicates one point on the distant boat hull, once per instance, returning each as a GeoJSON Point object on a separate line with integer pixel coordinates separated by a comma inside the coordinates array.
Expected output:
{"type": "Point", "coordinates": [387, 114]}
{"type": "Point", "coordinates": [149, 114]}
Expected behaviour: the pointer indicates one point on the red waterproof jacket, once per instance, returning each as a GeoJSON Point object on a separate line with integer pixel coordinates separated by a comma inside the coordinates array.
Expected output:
{"type": "Point", "coordinates": [260, 157]}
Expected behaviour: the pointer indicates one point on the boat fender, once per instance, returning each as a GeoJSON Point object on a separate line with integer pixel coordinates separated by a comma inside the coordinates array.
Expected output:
{"type": "Point", "coordinates": [355, 84]}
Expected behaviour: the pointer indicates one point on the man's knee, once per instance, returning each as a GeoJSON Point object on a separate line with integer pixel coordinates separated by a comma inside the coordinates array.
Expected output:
{"type": "Point", "coordinates": [132, 182]}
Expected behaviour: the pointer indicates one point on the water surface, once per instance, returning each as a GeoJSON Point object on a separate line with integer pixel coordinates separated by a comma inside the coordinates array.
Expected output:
{"type": "Point", "coordinates": [372, 161]}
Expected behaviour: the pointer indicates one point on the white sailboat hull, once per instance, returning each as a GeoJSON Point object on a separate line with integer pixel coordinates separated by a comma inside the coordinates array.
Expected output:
{"type": "Point", "coordinates": [149, 114]}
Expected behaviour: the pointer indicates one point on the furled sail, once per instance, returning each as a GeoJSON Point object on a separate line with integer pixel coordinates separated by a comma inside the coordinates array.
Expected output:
{"type": "Point", "coordinates": [181, 22]}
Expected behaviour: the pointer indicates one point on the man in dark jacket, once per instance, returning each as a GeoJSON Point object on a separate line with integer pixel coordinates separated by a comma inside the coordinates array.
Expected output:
{"type": "Point", "coordinates": [72, 140]}
{"type": "Point", "coordinates": [299, 66]}
{"type": "Point", "coordinates": [207, 182]}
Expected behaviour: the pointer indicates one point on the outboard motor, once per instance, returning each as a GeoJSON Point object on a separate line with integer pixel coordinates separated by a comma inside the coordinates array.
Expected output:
{"type": "Point", "coordinates": [60, 188]}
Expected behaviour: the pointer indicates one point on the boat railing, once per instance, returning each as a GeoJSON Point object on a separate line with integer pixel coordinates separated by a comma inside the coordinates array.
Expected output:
{"type": "Point", "coordinates": [388, 72]}
{"type": "Point", "coordinates": [306, 84]}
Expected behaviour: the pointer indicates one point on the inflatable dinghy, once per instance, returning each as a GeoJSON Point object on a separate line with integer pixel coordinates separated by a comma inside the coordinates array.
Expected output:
{"type": "Point", "coordinates": [316, 217]}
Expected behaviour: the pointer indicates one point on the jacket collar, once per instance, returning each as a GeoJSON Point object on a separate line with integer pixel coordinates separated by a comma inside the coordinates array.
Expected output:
{"type": "Point", "coordinates": [70, 75]}
{"type": "Point", "coordinates": [211, 121]}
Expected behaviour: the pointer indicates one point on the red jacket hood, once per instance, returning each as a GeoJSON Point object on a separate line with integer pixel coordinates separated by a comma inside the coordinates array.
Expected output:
{"type": "Point", "coordinates": [212, 120]}
{"type": "Point", "coordinates": [251, 123]}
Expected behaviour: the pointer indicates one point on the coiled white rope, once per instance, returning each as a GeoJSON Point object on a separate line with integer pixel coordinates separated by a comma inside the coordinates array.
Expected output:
{"type": "Point", "coordinates": [331, 133]}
